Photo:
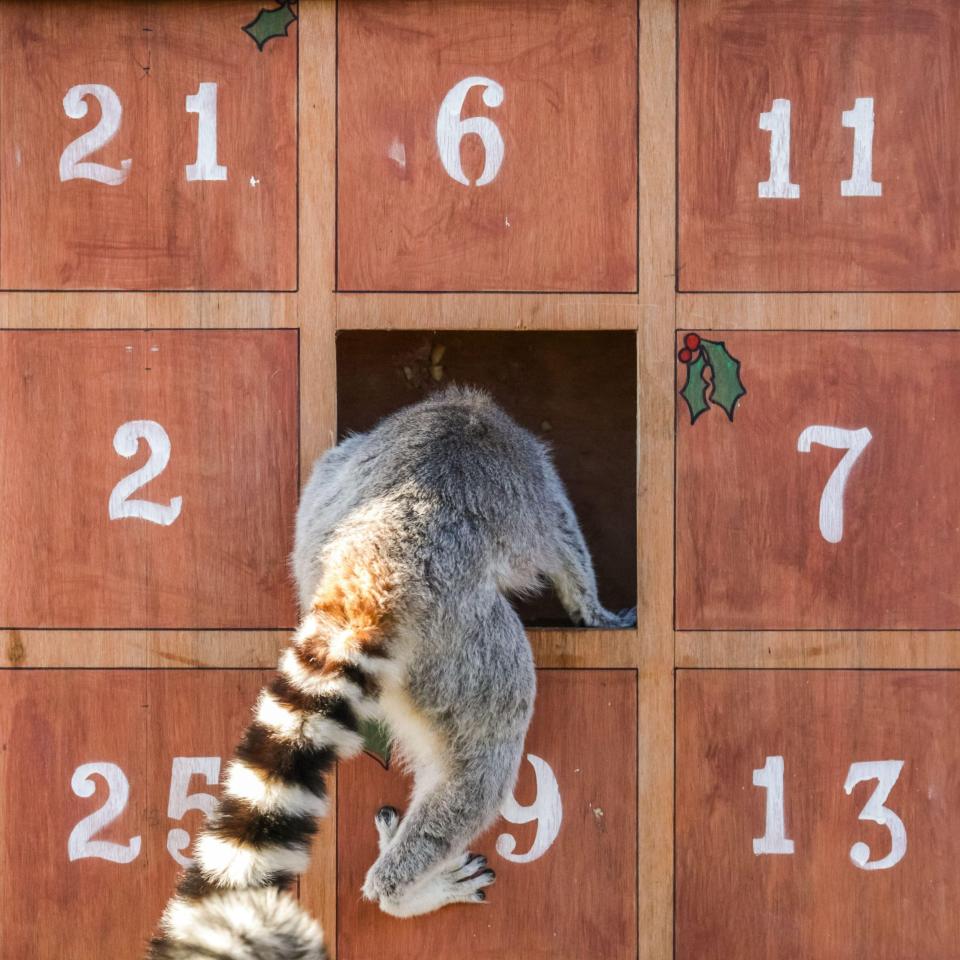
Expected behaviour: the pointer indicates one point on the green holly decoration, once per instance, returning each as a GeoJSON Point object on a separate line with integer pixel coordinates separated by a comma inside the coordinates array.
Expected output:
{"type": "Point", "coordinates": [376, 741]}
{"type": "Point", "coordinates": [701, 355]}
{"type": "Point", "coordinates": [268, 24]}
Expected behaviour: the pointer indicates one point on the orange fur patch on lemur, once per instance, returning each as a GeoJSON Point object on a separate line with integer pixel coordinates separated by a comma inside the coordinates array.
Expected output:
{"type": "Point", "coordinates": [355, 596]}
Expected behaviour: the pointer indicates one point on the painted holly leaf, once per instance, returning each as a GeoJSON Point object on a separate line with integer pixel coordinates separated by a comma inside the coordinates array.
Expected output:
{"type": "Point", "coordinates": [268, 24]}
{"type": "Point", "coordinates": [728, 388]}
{"type": "Point", "coordinates": [695, 389]}
{"type": "Point", "coordinates": [376, 741]}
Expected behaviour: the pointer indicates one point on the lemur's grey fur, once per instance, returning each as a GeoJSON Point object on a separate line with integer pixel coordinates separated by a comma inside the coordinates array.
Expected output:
{"type": "Point", "coordinates": [409, 540]}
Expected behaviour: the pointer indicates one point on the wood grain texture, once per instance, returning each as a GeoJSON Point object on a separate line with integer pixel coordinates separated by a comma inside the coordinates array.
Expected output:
{"type": "Point", "coordinates": [486, 311]}
{"type": "Point", "coordinates": [750, 551]}
{"type": "Point", "coordinates": [560, 214]}
{"type": "Point", "coordinates": [156, 230]}
{"type": "Point", "coordinates": [577, 391]}
{"type": "Point", "coordinates": [815, 902]}
{"type": "Point", "coordinates": [579, 898]}
{"type": "Point", "coordinates": [317, 317]}
{"type": "Point", "coordinates": [51, 722]}
{"type": "Point", "coordinates": [735, 57]}
{"type": "Point", "coordinates": [934, 649]}
{"type": "Point", "coordinates": [228, 403]}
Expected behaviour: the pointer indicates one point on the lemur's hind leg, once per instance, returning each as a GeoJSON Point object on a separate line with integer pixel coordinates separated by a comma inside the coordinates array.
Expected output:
{"type": "Point", "coordinates": [423, 867]}
{"type": "Point", "coordinates": [570, 570]}
{"type": "Point", "coordinates": [473, 717]}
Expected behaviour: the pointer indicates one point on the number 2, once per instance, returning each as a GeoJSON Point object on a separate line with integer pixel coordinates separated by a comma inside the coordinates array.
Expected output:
{"type": "Point", "coordinates": [126, 442]}
{"type": "Point", "coordinates": [831, 500]}
{"type": "Point", "coordinates": [75, 107]}
{"type": "Point", "coordinates": [80, 845]}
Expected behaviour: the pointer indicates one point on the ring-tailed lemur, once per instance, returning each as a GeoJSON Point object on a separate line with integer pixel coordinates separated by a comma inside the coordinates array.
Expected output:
{"type": "Point", "coordinates": [409, 538]}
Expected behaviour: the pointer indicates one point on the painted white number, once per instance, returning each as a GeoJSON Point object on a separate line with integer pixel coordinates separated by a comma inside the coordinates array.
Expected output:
{"type": "Point", "coordinates": [181, 802]}
{"type": "Point", "coordinates": [451, 130]}
{"type": "Point", "coordinates": [126, 441]}
{"type": "Point", "coordinates": [887, 772]}
{"type": "Point", "coordinates": [831, 500]}
{"type": "Point", "coordinates": [546, 809]}
{"type": "Point", "coordinates": [75, 107]}
{"type": "Point", "coordinates": [79, 845]}
{"type": "Point", "coordinates": [777, 122]}
{"type": "Point", "coordinates": [204, 103]}
{"type": "Point", "coordinates": [861, 182]}
{"type": "Point", "coordinates": [774, 839]}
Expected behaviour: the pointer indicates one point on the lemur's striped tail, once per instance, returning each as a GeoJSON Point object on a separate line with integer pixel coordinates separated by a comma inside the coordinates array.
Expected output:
{"type": "Point", "coordinates": [232, 904]}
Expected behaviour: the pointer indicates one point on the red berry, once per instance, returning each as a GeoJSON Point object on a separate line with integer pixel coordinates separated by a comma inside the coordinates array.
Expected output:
{"type": "Point", "coordinates": [685, 355]}
{"type": "Point", "coordinates": [692, 341]}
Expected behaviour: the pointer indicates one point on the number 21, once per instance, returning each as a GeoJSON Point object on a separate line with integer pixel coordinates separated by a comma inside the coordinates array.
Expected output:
{"type": "Point", "coordinates": [73, 163]}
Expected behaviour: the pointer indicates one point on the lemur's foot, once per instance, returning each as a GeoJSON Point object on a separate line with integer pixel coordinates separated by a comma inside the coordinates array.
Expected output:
{"type": "Point", "coordinates": [622, 620]}
{"type": "Point", "coordinates": [388, 822]}
{"type": "Point", "coordinates": [462, 881]}
{"type": "Point", "coordinates": [471, 863]}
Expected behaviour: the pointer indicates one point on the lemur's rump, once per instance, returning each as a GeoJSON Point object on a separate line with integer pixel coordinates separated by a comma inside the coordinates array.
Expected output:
{"type": "Point", "coordinates": [409, 539]}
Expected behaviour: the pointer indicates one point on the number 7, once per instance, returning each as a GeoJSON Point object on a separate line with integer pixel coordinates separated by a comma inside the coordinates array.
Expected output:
{"type": "Point", "coordinates": [831, 501]}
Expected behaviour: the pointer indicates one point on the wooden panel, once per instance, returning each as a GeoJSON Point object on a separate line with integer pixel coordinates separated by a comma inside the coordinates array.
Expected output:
{"type": "Point", "coordinates": [576, 900]}
{"type": "Point", "coordinates": [157, 229]}
{"type": "Point", "coordinates": [738, 58]}
{"type": "Point", "coordinates": [558, 213]}
{"type": "Point", "coordinates": [754, 546]}
{"type": "Point", "coordinates": [52, 723]}
{"type": "Point", "coordinates": [575, 390]}
{"type": "Point", "coordinates": [212, 550]}
{"type": "Point", "coordinates": [816, 901]}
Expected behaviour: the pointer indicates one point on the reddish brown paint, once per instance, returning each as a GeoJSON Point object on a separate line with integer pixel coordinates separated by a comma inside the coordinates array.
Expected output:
{"type": "Point", "coordinates": [560, 215]}
{"type": "Point", "coordinates": [735, 58]}
{"type": "Point", "coordinates": [815, 903]}
{"type": "Point", "coordinates": [51, 722]}
{"type": "Point", "coordinates": [579, 899]}
{"type": "Point", "coordinates": [227, 400]}
{"type": "Point", "coordinates": [156, 230]}
{"type": "Point", "coordinates": [750, 554]}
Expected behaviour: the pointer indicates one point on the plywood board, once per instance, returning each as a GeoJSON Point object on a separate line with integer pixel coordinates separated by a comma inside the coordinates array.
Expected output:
{"type": "Point", "coordinates": [575, 896]}
{"type": "Point", "coordinates": [783, 103]}
{"type": "Point", "coordinates": [201, 538]}
{"type": "Point", "coordinates": [829, 500]}
{"type": "Point", "coordinates": [131, 745]}
{"type": "Point", "coordinates": [122, 208]}
{"type": "Point", "coordinates": [487, 146]}
{"type": "Point", "coordinates": [852, 775]}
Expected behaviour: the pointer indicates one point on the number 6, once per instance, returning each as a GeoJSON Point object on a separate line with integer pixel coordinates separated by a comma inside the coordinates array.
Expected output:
{"type": "Point", "coordinates": [451, 130]}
